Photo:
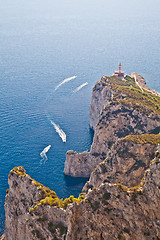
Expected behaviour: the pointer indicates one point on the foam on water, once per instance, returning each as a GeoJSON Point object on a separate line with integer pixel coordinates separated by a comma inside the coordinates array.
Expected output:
{"type": "Point", "coordinates": [80, 87]}
{"type": "Point", "coordinates": [43, 153]}
{"type": "Point", "coordinates": [59, 131]}
{"type": "Point", "coordinates": [65, 81]}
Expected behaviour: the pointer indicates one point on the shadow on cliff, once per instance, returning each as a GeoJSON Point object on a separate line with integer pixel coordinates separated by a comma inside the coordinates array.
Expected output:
{"type": "Point", "coordinates": [155, 131]}
{"type": "Point", "coordinates": [74, 181]}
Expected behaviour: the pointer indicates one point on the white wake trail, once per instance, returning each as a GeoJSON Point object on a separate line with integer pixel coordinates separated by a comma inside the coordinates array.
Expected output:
{"type": "Point", "coordinates": [59, 131]}
{"type": "Point", "coordinates": [43, 153]}
{"type": "Point", "coordinates": [65, 81]}
{"type": "Point", "coordinates": [81, 86]}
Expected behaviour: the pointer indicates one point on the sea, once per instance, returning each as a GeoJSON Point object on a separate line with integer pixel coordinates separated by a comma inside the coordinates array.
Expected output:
{"type": "Point", "coordinates": [51, 55]}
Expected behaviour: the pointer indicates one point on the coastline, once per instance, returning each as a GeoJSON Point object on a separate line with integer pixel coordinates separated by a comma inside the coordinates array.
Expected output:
{"type": "Point", "coordinates": [117, 111]}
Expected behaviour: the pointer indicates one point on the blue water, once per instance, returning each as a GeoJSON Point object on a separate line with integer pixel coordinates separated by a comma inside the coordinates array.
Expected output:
{"type": "Point", "coordinates": [41, 44]}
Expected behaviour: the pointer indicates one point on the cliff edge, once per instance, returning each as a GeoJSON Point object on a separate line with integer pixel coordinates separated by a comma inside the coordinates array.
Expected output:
{"type": "Point", "coordinates": [118, 108]}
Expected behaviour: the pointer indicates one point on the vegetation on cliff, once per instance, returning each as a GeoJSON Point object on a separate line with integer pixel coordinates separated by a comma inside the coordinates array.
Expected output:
{"type": "Point", "coordinates": [48, 197]}
{"type": "Point", "coordinates": [136, 189]}
{"type": "Point", "coordinates": [144, 138]}
{"type": "Point", "coordinates": [20, 171]}
{"type": "Point", "coordinates": [127, 92]}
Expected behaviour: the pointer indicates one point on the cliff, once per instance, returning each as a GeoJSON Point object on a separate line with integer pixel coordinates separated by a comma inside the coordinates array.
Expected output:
{"type": "Point", "coordinates": [34, 211]}
{"type": "Point", "coordinates": [121, 199]}
{"type": "Point", "coordinates": [114, 211]}
{"type": "Point", "coordinates": [26, 216]}
{"type": "Point", "coordinates": [118, 108]}
{"type": "Point", "coordinates": [126, 162]}
{"type": "Point", "coordinates": [111, 211]}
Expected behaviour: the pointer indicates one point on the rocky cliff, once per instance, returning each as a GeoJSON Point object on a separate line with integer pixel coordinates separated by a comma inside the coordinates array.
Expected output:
{"type": "Point", "coordinates": [122, 197]}
{"type": "Point", "coordinates": [26, 216]}
{"type": "Point", "coordinates": [118, 108]}
{"type": "Point", "coordinates": [114, 211]}
{"type": "Point", "coordinates": [109, 211]}
{"type": "Point", "coordinates": [126, 162]}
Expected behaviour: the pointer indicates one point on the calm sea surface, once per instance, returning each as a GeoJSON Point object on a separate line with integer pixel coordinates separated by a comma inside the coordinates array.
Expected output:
{"type": "Point", "coordinates": [41, 44]}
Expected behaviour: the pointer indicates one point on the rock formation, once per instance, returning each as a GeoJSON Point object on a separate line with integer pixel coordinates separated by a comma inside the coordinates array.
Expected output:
{"type": "Point", "coordinates": [118, 108]}
{"type": "Point", "coordinates": [111, 211]}
{"type": "Point", "coordinates": [126, 162]}
{"type": "Point", "coordinates": [32, 210]}
{"type": "Point", "coordinates": [121, 200]}
{"type": "Point", "coordinates": [114, 211]}
{"type": "Point", "coordinates": [142, 83]}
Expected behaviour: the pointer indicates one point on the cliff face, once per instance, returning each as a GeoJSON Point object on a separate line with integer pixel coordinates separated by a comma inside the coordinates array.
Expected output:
{"type": "Point", "coordinates": [77, 164]}
{"type": "Point", "coordinates": [111, 211]}
{"type": "Point", "coordinates": [118, 108]}
{"type": "Point", "coordinates": [126, 162]}
{"type": "Point", "coordinates": [101, 97]}
{"type": "Point", "coordinates": [26, 217]}
{"type": "Point", "coordinates": [114, 211]}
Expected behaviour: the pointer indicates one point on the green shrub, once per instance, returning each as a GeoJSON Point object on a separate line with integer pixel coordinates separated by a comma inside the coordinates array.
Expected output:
{"type": "Point", "coordinates": [133, 95]}
{"type": "Point", "coordinates": [144, 138]}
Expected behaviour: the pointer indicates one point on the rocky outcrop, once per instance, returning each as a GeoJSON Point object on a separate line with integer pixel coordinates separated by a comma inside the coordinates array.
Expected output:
{"type": "Point", "coordinates": [114, 211]}
{"type": "Point", "coordinates": [111, 211]}
{"type": "Point", "coordinates": [26, 216]}
{"type": "Point", "coordinates": [140, 79]}
{"type": "Point", "coordinates": [126, 162]}
{"type": "Point", "coordinates": [77, 164]}
{"type": "Point", "coordinates": [142, 83]}
{"type": "Point", "coordinates": [118, 108]}
{"type": "Point", "coordinates": [115, 122]}
{"type": "Point", "coordinates": [101, 97]}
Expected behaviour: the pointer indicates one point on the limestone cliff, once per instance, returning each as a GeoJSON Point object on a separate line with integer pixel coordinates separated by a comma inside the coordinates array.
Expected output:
{"type": "Point", "coordinates": [101, 97]}
{"type": "Point", "coordinates": [118, 108]}
{"type": "Point", "coordinates": [26, 216]}
{"type": "Point", "coordinates": [111, 211]}
{"type": "Point", "coordinates": [77, 164]}
{"type": "Point", "coordinates": [126, 162]}
{"type": "Point", "coordinates": [121, 200]}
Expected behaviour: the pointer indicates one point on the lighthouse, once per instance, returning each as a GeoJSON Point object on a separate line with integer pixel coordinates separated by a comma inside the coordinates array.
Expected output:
{"type": "Point", "coordinates": [119, 73]}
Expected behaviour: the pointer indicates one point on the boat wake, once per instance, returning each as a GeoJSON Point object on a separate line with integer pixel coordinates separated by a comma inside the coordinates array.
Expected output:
{"type": "Point", "coordinates": [80, 87]}
{"type": "Point", "coordinates": [59, 131]}
{"type": "Point", "coordinates": [65, 81]}
{"type": "Point", "coordinates": [43, 153]}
